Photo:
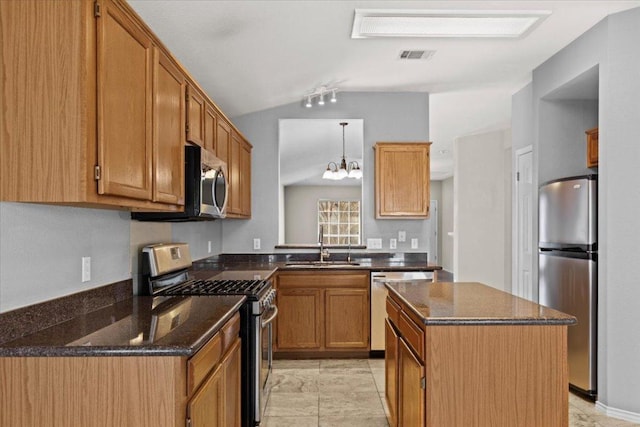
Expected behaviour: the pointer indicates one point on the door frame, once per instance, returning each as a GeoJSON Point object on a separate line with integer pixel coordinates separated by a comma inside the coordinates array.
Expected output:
{"type": "Point", "coordinates": [517, 286]}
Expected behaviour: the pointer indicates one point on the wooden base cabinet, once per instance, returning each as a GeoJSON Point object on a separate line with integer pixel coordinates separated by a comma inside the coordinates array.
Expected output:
{"type": "Point", "coordinates": [127, 391]}
{"type": "Point", "coordinates": [322, 311]}
{"type": "Point", "coordinates": [482, 375]}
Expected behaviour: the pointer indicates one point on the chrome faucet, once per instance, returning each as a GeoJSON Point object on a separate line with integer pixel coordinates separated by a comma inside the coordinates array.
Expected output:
{"type": "Point", "coordinates": [324, 252]}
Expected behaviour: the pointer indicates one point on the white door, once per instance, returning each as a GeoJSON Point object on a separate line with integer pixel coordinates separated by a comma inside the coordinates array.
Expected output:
{"type": "Point", "coordinates": [433, 237]}
{"type": "Point", "coordinates": [524, 219]}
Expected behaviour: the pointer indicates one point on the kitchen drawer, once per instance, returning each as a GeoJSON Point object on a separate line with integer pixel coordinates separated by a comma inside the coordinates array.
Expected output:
{"type": "Point", "coordinates": [203, 361]}
{"type": "Point", "coordinates": [393, 311]}
{"type": "Point", "coordinates": [412, 334]}
{"type": "Point", "coordinates": [230, 331]}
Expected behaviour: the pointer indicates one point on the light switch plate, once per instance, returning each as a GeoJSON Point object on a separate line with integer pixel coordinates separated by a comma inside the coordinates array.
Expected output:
{"type": "Point", "coordinates": [209, 246]}
{"type": "Point", "coordinates": [414, 243]}
{"type": "Point", "coordinates": [393, 243]}
{"type": "Point", "coordinates": [86, 268]}
{"type": "Point", "coordinates": [256, 244]}
{"type": "Point", "coordinates": [402, 236]}
{"type": "Point", "coordinates": [374, 243]}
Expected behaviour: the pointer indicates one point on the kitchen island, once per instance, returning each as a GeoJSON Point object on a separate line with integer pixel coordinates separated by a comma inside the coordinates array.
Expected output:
{"type": "Point", "coordinates": [466, 354]}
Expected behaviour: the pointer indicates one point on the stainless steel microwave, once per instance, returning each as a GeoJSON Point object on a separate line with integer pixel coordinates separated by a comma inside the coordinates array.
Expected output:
{"type": "Point", "coordinates": [206, 189]}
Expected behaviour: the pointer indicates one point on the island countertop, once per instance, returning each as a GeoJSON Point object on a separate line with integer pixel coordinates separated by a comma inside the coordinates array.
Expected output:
{"type": "Point", "coordinates": [458, 303]}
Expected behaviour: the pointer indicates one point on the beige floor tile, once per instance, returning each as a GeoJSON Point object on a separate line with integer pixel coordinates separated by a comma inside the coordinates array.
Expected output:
{"type": "Point", "coordinates": [313, 364]}
{"type": "Point", "coordinates": [352, 404]}
{"type": "Point", "coordinates": [292, 405]}
{"type": "Point", "coordinates": [353, 422]}
{"type": "Point", "coordinates": [376, 363]}
{"type": "Point", "coordinates": [294, 380]}
{"type": "Point", "coordinates": [345, 366]}
{"type": "Point", "coordinates": [290, 422]}
{"type": "Point", "coordinates": [378, 376]}
{"type": "Point", "coordinates": [349, 382]}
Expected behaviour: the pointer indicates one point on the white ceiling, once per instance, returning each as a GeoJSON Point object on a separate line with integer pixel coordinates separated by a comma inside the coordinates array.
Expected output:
{"type": "Point", "coordinates": [250, 55]}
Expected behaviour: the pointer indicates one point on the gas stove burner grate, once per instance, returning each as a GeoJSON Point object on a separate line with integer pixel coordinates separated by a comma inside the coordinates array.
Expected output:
{"type": "Point", "coordinates": [217, 287]}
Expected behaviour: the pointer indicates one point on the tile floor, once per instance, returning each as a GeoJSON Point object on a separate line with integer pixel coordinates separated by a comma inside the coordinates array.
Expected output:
{"type": "Point", "coordinates": [350, 393]}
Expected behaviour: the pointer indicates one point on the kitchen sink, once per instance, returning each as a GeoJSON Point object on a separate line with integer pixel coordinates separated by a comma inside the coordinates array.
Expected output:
{"type": "Point", "coordinates": [315, 264]}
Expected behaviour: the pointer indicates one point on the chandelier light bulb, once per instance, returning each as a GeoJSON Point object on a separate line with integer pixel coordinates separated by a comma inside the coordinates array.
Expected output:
{"type": "Point", "coordinates": [333, 97]}
{"type": "Point", "coordinates": [308, 104]}
{"type": "Point", "coordinates": [321, 101]}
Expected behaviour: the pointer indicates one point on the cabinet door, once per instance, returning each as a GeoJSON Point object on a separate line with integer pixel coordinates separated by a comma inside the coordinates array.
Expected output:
{"type": "Point", "coordinates": [205, 409]}
{"type": "Point", "coordinates": [347, 318]}
{"type": "Point", "coordinates": [299, 321]}
{"type": "Point", "coordinates": [195, 116]}
{"type": "Point", "coordinates": [209, 128]}
{"type": "Point", "coordinates": [232, 399]}
{"type": "Point", "coordinates": [245, 179]}
{"type": "Point", "coordinates": [235, 194]}
{"type": "Point", "coordinates": [592, 148]}
{"type": "Point", "coordinates": [402, 180]}
{"type": "Point", "coordinates": [168, 131]}
{"type": "Point", "coordinates": [411, 396]}
{"type": "Point", "coordinates": [391, 372]}
{"type": "Point", "coordinates": [124, 75]}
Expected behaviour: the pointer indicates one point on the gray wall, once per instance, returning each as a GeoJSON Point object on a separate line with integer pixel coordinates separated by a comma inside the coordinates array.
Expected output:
{"type": "Point", "coordinates": [41, 248]}
{"type": "Point", "coordinates": [482, 209]}
{"type": "Point", "coordinates": [301, 209]}
{"type": "Point", "coordinates": [612, 46]}
{"type": "Point", "coordinates": [387, 117]}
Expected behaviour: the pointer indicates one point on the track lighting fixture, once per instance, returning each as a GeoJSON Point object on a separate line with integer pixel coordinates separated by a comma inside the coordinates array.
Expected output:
{"type": "Point", "coordinates": [319, 94]}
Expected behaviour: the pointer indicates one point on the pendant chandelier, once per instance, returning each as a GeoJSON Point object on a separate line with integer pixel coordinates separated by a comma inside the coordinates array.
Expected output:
{"type": "Point", "coordinates": [345, 170]}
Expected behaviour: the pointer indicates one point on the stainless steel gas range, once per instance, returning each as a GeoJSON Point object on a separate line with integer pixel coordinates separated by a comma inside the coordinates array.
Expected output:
{"type": "Point", "coordinates": [165, 272]}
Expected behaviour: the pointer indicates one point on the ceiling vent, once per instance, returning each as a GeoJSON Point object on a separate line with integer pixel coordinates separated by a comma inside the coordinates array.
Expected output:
{"type": "Point", "coordinates": [417, 54]}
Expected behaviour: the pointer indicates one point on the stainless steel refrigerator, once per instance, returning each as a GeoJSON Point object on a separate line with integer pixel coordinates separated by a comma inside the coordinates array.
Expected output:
{"type": "Point", "coordinates": [568, 268]}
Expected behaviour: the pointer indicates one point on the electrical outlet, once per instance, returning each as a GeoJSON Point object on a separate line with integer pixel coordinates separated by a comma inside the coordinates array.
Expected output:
{"type": "Point", "coordinates": [209, 246]}
{"type": "Point", "coordinates": [86, 268]}
{"type": "Point", "coordinates": [402, 236]}
{"type": "Point", "coordinates": [393, 243]}
{"type": "Point", "coordinates": [256, 244]}
{"type": "Point", "coordinates": [414, 243]}
{"type": "Point", "coordinates": [374, 243]}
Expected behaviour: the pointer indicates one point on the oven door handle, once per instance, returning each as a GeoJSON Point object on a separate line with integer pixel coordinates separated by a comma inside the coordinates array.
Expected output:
{"type": "Point", "coordinates": [272, 317]}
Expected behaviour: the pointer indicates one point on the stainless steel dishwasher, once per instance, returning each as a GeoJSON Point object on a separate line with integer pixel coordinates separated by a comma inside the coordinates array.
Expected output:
{"type": "Point", "coordinates": [379, 296]}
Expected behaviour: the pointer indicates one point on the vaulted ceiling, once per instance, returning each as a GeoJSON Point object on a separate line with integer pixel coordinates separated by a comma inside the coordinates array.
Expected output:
{"type": "Point", "coordinates": [251, 55]}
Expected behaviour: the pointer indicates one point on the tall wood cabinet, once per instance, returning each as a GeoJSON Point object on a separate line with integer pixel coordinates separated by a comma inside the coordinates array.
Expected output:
{"type": "Point", "coordinates": [322, 312]}
{"type": "Point", "coordinates": [402, 179]}
{"type": "Point", "coordinates": [80, 97]}
{"type": "Point", "coordinates": [592, 148]}
{"type": "Point", "coordinates": [96, 111]}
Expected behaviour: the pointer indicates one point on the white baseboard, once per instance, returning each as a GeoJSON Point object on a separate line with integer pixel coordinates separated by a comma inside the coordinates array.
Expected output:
{"type": "Point", "coordinates": [618, 413]}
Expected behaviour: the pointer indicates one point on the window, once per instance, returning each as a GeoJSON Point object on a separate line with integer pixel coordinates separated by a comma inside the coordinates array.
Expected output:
{"type": "Point", "coordinates": [340, 220]}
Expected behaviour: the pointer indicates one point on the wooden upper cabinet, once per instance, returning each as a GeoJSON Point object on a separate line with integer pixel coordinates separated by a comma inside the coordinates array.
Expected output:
{"type": "Point", "coordinates": [195, 116]}
{"type": "Point", "coordinates": [210, 128]}
{"type": "Point", "coordinates": [402, 179]}
{"type": "Point", "coordinates": [168, 131]}
{"type": "Point", "coordinates": [124, 62]}
{"type": "Point", "coordinates": [592, 148]}
{"type": "Point", "coordinates": [239, 164]}
{"type": "Point", "coordinates": [223, 139]}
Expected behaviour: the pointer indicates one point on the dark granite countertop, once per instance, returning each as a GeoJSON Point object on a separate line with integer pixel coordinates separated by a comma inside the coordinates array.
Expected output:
{"type": "Point", "coordinates": [260, 264]}
{"type": "Point", "coordinates": [138, 326]}
{"type": "Point", "coordinates": [445, 303]}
